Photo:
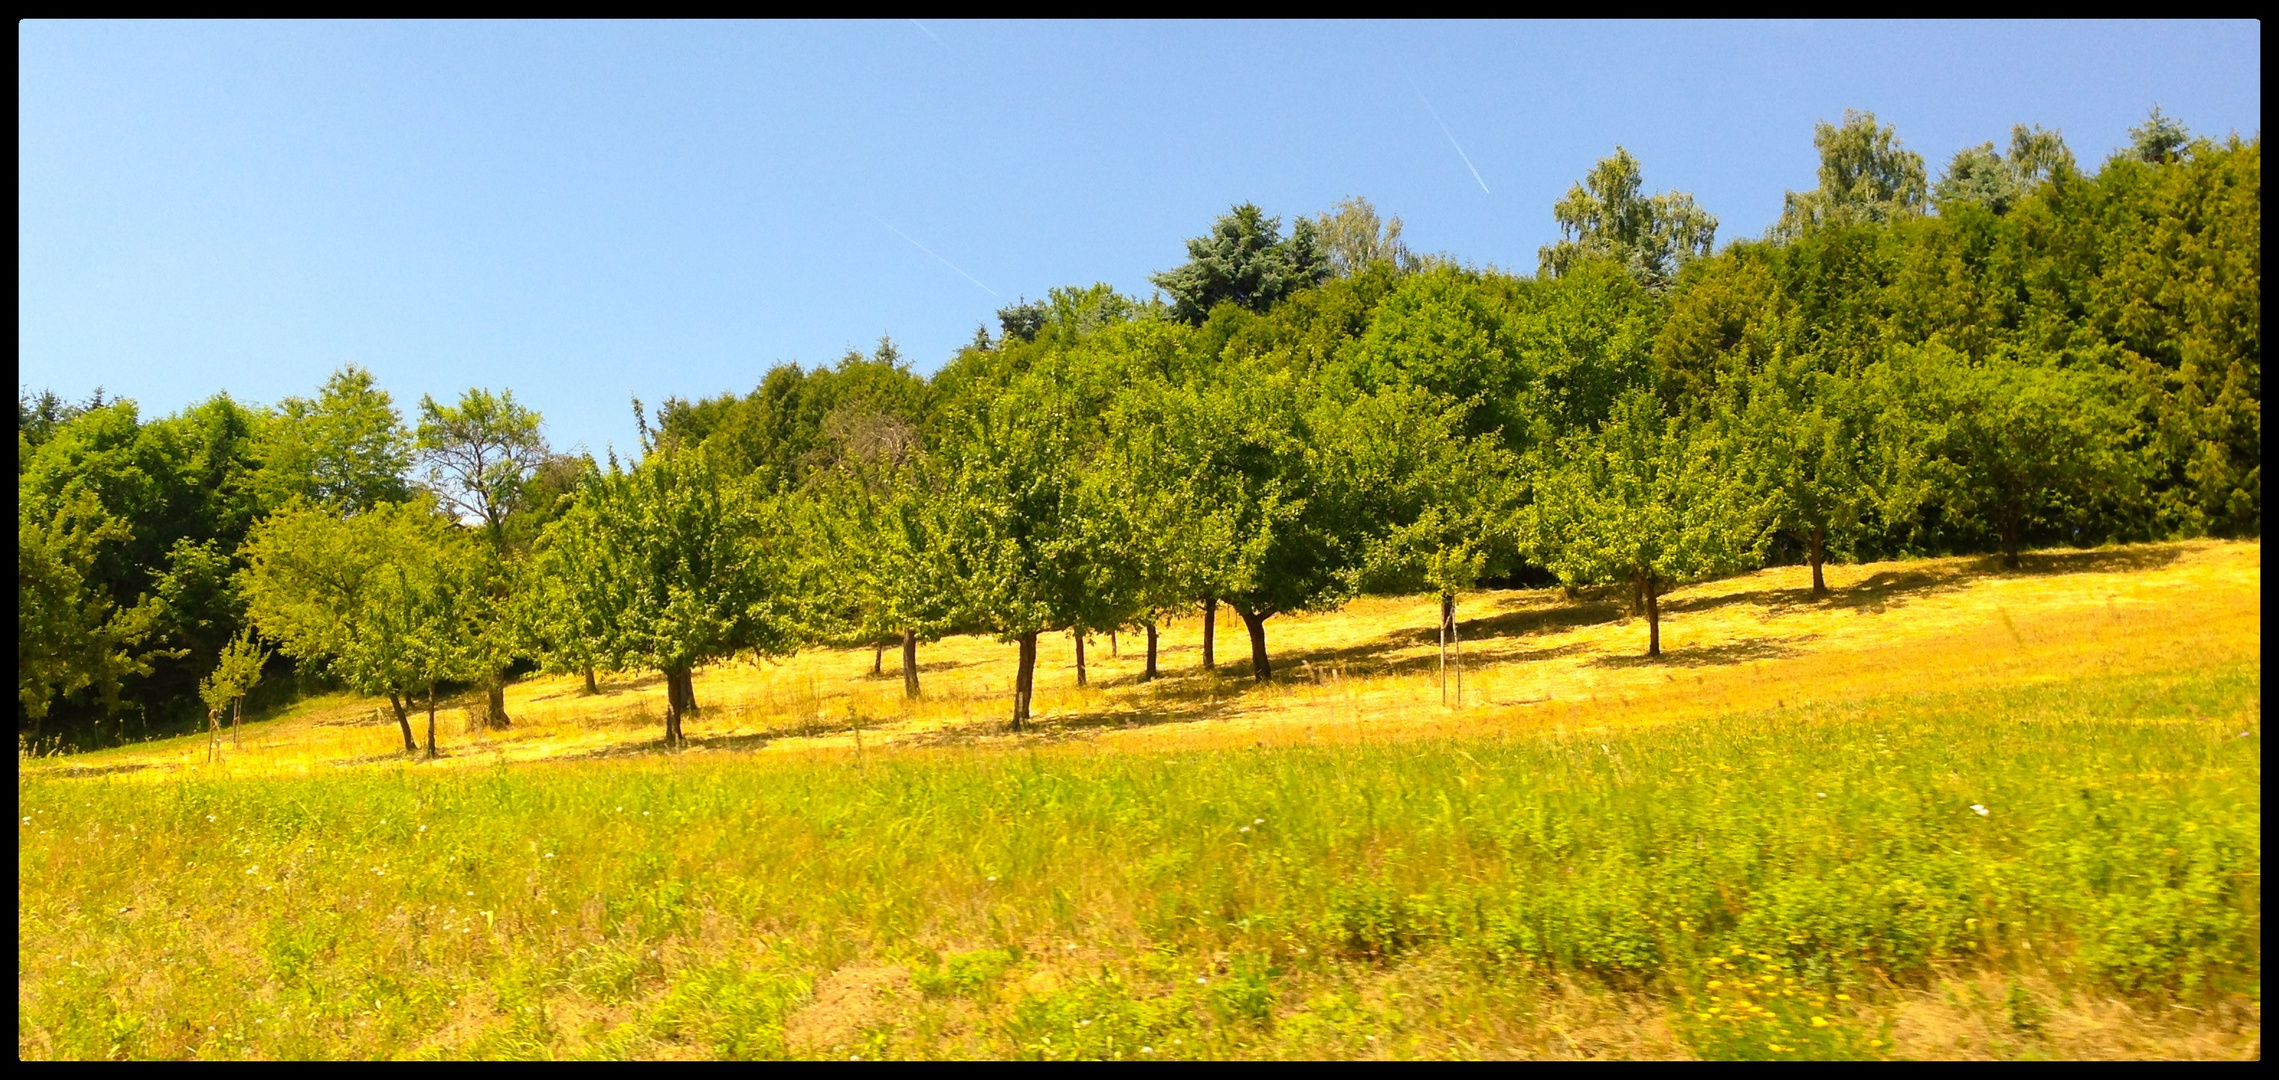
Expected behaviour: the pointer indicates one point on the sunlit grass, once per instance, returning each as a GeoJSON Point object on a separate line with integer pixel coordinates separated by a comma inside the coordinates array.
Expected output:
{"type": "Point", "coordinates": [1597, 856]}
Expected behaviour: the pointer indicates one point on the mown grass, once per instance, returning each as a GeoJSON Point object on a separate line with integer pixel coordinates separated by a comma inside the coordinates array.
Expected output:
{"type": "Point", "coordinates": [1808, 881]}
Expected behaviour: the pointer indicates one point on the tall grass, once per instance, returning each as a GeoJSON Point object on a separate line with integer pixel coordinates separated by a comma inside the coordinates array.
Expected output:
{"type": "Point", "coordinates": [1779, 882]}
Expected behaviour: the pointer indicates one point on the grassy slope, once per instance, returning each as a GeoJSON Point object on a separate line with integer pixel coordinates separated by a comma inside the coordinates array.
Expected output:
{"type": "Point", "coordinates": [1561, 868]}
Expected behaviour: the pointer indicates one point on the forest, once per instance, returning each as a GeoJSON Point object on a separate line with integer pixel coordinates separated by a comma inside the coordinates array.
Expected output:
{"type": "Point", "coordinates": [2021, 352]}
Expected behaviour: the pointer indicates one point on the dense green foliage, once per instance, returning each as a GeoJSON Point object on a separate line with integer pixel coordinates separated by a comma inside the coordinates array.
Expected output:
{"type": "Point", "coordinates": [2023, 352]}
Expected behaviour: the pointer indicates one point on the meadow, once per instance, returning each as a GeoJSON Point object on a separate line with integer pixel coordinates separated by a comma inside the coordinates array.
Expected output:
{"type": "Point", "coordinates": [1948, 812]}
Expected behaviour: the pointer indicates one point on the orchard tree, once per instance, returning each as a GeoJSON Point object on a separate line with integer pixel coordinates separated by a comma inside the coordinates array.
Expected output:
{"type": "Point", "coordinates": [234, 676]}
{"type": "Point", "coordinates": [1284, 479]}
{"type": "Point", "coordinates": [1442, 503]}
{"type": "Point", "coordinates": [1162, 511]}
{"type": "Point", "coordinates": [1645, 500]}
{"type": "Point", "coordinates": [2017, 446]}
{"type": "Point", "coordinates": [375, 597]}
{"type": "Point", "coordinates": [878, 531]}
{"type": "Point", "coordinates": [671, 565]}
{"type": "Point", "coordinates": [1802, 442]}
{"type": "Point", "coordinates": [1014, 522]}
{"type": "Point", "coordinates": [479, 456]}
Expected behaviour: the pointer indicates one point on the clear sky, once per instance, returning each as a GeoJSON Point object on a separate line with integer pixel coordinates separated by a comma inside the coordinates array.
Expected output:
{"type": "Point", "coordinates": [585, 212]}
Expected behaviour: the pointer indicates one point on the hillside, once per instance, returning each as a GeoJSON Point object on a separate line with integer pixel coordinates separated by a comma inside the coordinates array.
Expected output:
{"type": "Point", "coordinates": [1532, 660]}
{"type": "Point", "coordinates": [1950, 812]}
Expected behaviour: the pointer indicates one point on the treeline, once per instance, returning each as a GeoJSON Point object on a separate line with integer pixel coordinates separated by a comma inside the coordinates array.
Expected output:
{"type": "Point", "coordinates": [2023, 352]}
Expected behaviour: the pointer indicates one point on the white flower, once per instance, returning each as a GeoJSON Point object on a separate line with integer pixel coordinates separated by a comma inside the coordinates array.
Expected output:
{"type": "Point", "coordinates": [209, 817]}
{"type": "Point", "coordinates": [1819, 794]}
{"type": "Point", "coordinates": [1147, 1049]}
{"type": "Point", "coordinates": [1246, 828]}
{"type": "Point", "coordinates": [1979, 810]}
{"type": "Point", "coordinates": [549, 854]}
{"type": "Point", "coordinates": [1258, 821]}
{"type": "Point", "coordinates": [1199, 980]}
{"type": "Point", "coordinates": [992, 877]}
{"type": "Point", "coordinates": [423, 828]}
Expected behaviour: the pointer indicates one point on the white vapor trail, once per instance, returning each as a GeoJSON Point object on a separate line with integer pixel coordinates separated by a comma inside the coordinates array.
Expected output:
{"type": "Point", "coordinates": [1451, 135]}
{"type": "Point", "coordinates": [937, 258]}
{"type": "Point", "coordinates": [929, 33]}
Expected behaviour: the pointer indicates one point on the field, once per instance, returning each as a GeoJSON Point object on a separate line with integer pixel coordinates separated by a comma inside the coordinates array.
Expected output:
{"type": "Point", "coordinates": [1947, 812]}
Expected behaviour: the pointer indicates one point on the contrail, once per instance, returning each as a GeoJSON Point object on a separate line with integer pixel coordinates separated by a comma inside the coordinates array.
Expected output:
{"type": "Point", "coordinates": [929, 33]}
{"type": "Point", "coordinates": [1451, 135]}
{"type": "Point", "coordinates": [937, 258]}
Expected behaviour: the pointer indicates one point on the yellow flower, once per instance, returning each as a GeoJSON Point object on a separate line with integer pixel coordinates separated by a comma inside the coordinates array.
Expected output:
{"type": "Point", "coordinates": [1819, 1021]}
{"type": "Point", "coordinates": [1716, 983]}
{"type": "Point", "coordinates": [1843, 997]}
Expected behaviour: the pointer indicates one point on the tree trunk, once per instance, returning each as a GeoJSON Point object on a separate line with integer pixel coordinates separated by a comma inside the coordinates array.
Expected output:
{"type": "Point", "coordinates": [1149, 674]}
{"type": "Point", "coordinates": [1817, 553]}
{"type": "Point", "coordinates": [910, 664]}
{"type": "Point", "coordinates": [1650, 589]}
{"type": "Point", "coordinates": [591, 687]}
{"type": "Point", "coordinates": [1210, 629]}
{"type": "Point", "coordinates": [236, 717]}
{"type": "Point", "coordinates": [431, 722]}
{"type": "Point", "coordinates": [680, 701]}
{"type": "Point", "coordinates": [1456, 646]}
{"type": "Point", "coordinates": [1024, 680]}
{"type": "Point", "coordinates": [878, 658]}
{"type": "Point", "coordinates": [403, 720]}
{"type": "Point", "coordinates": [2010, 545]}
{"type": "Point", "coordinates": [1080, 658]}
{"type": "Point", "coordinates": [1259, 668]}
{"type": "Point", "coordinates": [1447, 615]}
{"type": "Point", "coordinates": [494, 704]}
{"type": "Point", "coordinates": [1115, 651]}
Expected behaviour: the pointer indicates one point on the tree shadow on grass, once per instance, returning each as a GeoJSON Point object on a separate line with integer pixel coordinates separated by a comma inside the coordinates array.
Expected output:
{"type": "Point", "coordinates": [1738, 652]}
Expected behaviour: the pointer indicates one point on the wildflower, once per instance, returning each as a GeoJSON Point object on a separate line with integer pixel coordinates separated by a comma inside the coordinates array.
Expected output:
{"type": "Point", "coordinates": [1716, 984]}
{"type": "Point", "coordinates": [423, 828]}
{"type": "Point", "coordinates": [1819, 1021]}
{"type": "Point", "coordinates": [1979, 810]}
{"type": "Point", "coordinates": [1147, 1049]}
{"type": "Point", "coordinates": [1843, 997]}
{"type": "Point", "coordinates": [549, 854]}
{"type": "Point", "coordinates": [1246, 828]}
{"type": "Point", "coordinates": [1199, 980]}
{"type": "Point", "coordinates": [992, 877]}
{"type": "Point", "coordinates": [1258, 821]}
{"type": "Point", "coordinates": [209, 817]}
{"type": "Point", "coordinates": [1819, 794]}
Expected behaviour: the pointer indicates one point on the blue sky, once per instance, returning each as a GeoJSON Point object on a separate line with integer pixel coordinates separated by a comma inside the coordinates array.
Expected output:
{"type": "Point", "coordinates": [585, 212]}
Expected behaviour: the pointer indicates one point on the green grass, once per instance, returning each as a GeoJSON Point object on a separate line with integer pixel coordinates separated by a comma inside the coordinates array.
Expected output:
{"type": "Point", "coordinates": [1376, 899]}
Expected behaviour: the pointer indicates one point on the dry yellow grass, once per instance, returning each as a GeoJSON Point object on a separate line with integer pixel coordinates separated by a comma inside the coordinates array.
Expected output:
{"type": "Point", "coordinates": [1531, 659]}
